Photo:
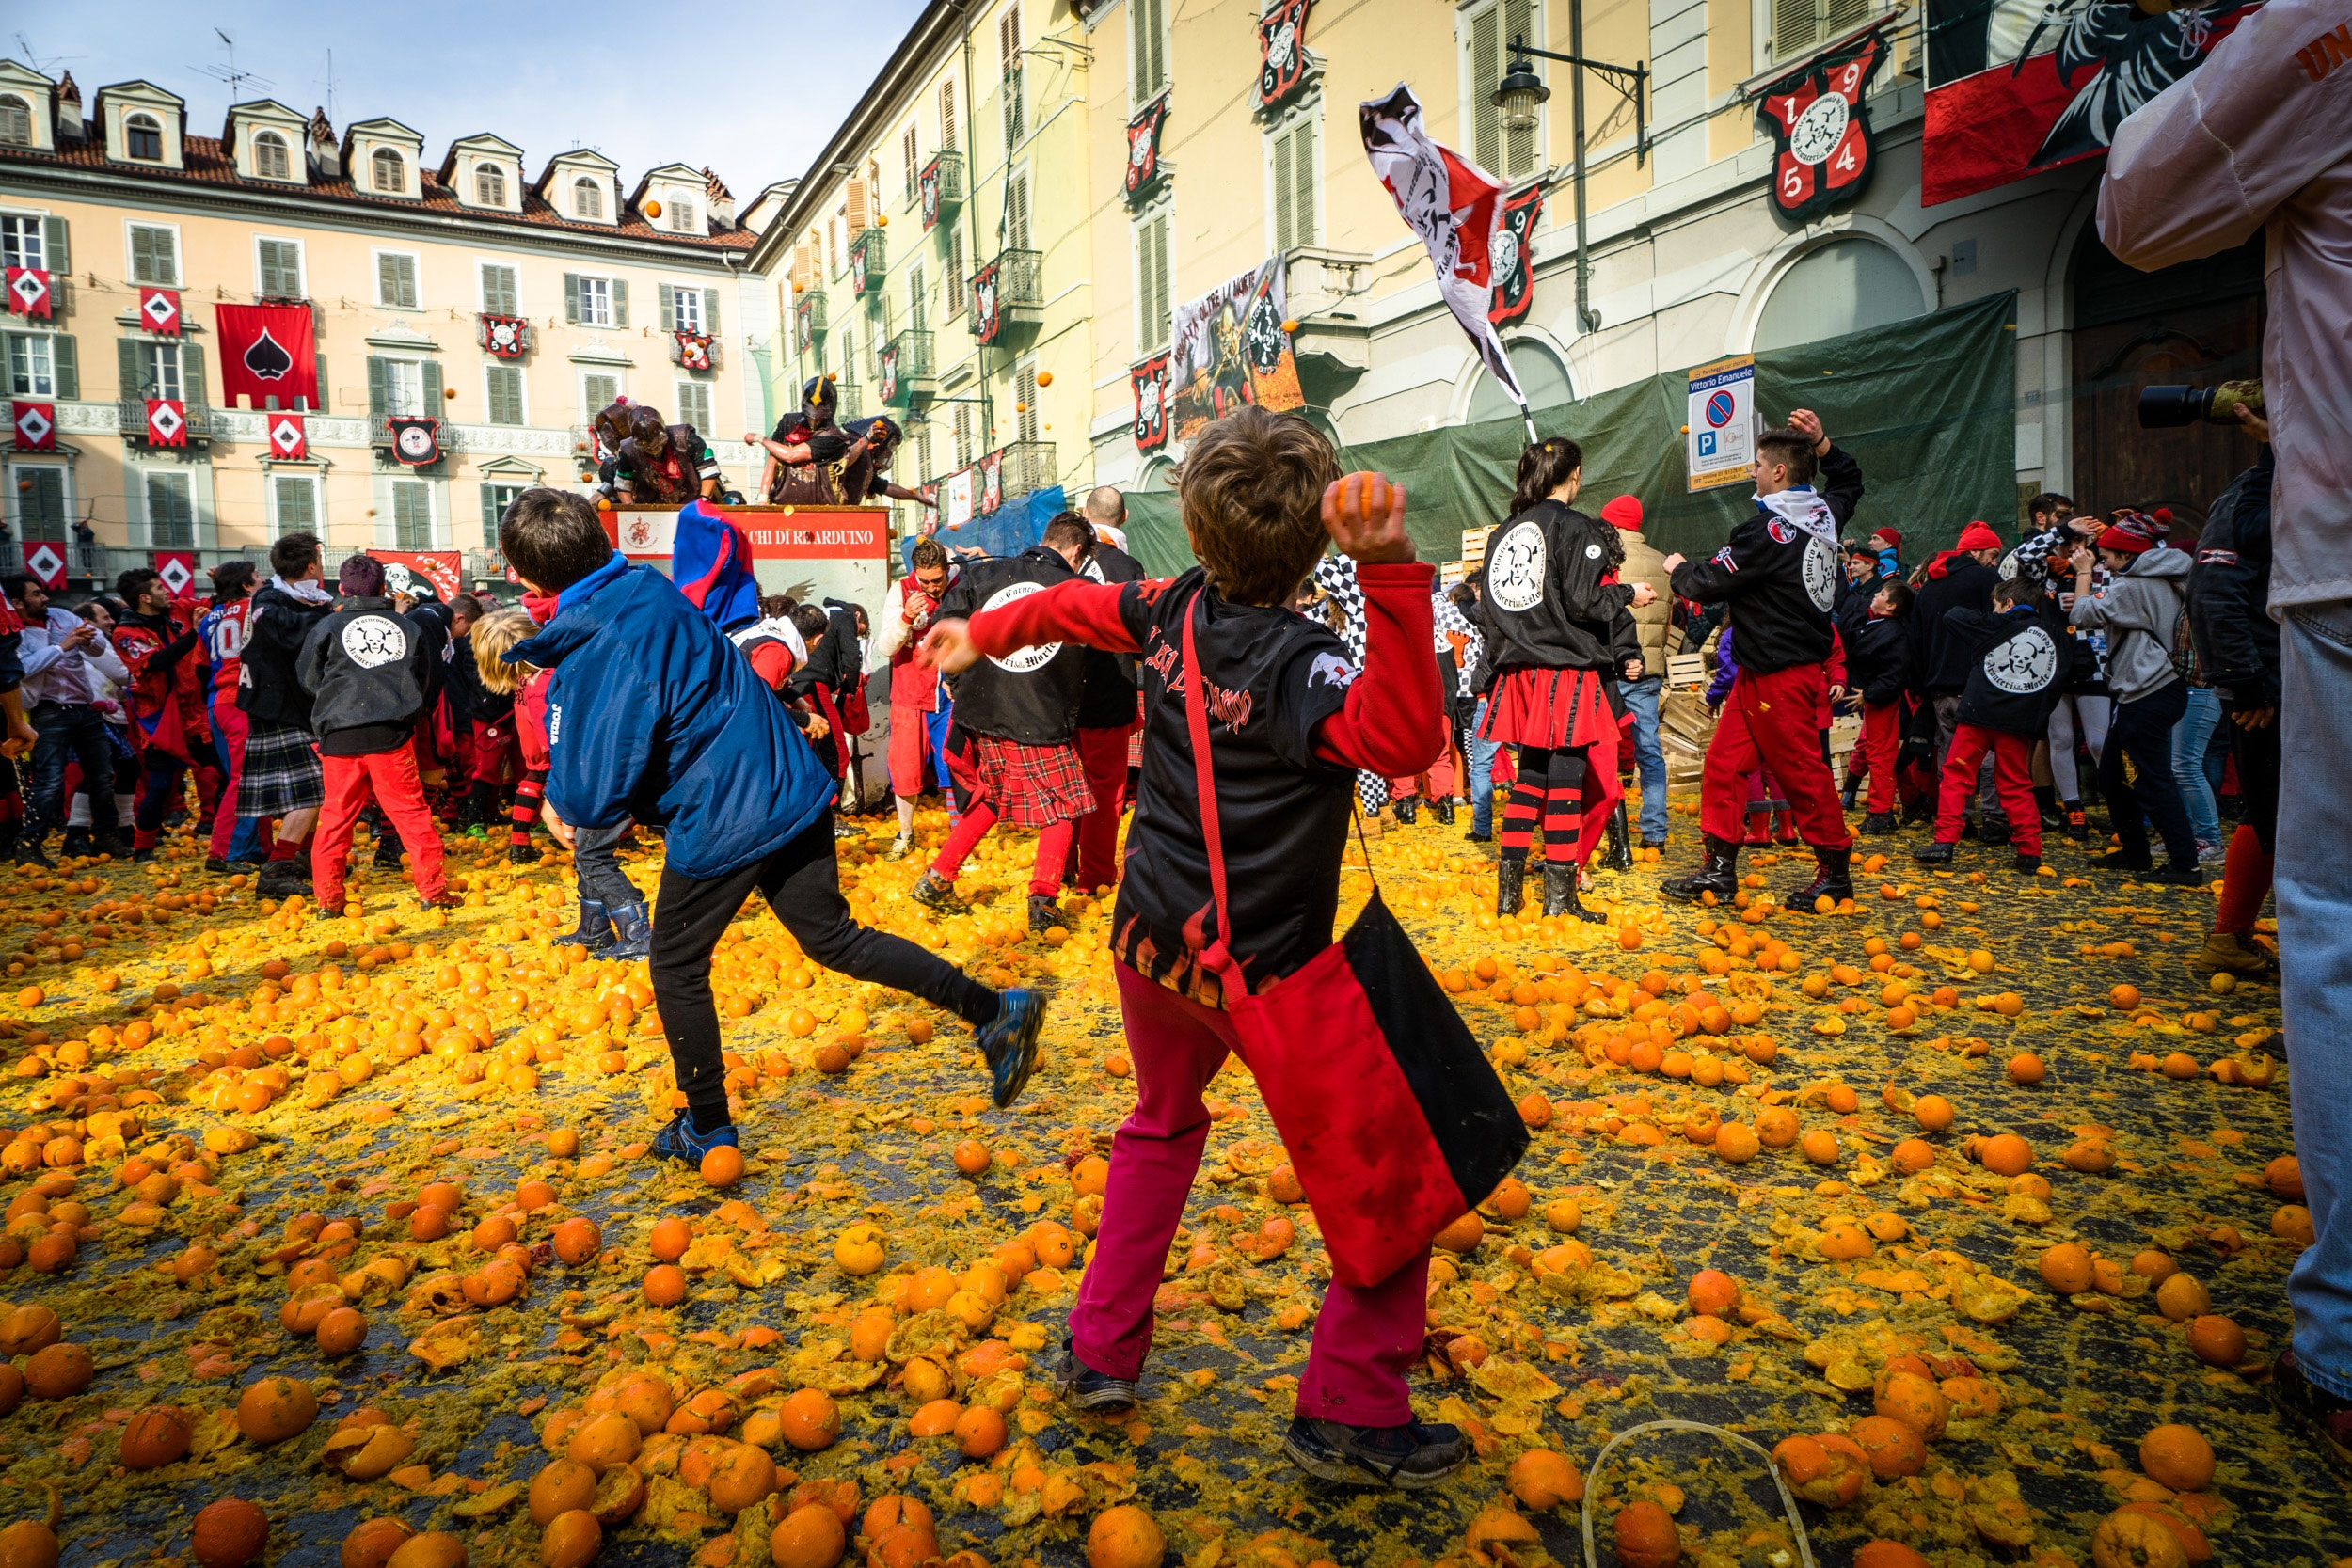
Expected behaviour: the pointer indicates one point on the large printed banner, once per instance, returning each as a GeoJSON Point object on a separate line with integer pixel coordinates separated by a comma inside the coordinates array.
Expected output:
{"type": "Point", "coordinates": [2016, 86]}
{"type": "Point", "coordinates": [774, 533]}
{"type": "Point", "coordinates": [440, 573]}
{"type": "Point", "coordinates": [1231, 348]}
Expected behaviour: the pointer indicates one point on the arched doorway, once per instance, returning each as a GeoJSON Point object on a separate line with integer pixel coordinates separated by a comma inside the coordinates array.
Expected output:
{"type": "Point", "coordinates": [2195, 324]}
{"type": "Point", "coordinates": [1849, 285]}
{"type": "Point", "coordinates": [1542, 378]}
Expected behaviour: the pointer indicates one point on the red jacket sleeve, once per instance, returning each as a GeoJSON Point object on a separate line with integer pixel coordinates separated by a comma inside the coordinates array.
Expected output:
{"type": "Point", "coordinates": [772, 663]}
{"type": "Point", "coordinates": [1079, 611]}
{"type": "Point", "coordinates": [1389, 725]}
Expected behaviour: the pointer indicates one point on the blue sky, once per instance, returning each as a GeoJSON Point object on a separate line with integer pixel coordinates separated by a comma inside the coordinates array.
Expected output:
{"type": "Point", "coordinates": [738, 86]}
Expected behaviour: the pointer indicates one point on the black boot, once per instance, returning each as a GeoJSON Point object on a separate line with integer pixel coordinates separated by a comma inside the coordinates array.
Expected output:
{"type": "Point", "coordinates": [1620, 856]}
{"type": "Point", "coordinates": [1853, 788]}
{"type": "Point", "coordinates": [1443, 806]}
{"type": "Point", "coordinates": [632, 933]}
{"type": "Point", "coordinates": [1560, 896]}
{"type": "Point", "coordinates": [595, 928]}
{"type": "Point", "coordinates": [1832, 879]}
{"type": "Point", "coordinates": [1407, 810]}
{"type": "Point", "coordinates": [1719, 876]}
{"type": "Point", "coordinates": [387, 849]}
{"type": "Point", "coordinates": [1510, 884]}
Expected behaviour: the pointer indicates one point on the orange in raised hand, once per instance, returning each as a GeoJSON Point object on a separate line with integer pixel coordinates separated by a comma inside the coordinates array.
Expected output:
{"type": "Point", "coordinates": [1365, 515]}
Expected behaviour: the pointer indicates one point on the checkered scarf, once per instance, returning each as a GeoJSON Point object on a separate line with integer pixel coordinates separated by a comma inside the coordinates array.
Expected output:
{"type": "Point", "coordinates": [1335, 575]}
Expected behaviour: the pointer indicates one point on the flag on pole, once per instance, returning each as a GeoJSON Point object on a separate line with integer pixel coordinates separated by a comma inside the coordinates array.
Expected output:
{"type": "Point", "coordinates": [1455, 206]}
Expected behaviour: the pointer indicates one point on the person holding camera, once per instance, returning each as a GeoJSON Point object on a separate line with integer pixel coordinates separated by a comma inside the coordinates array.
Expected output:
{"type": "Point", "coordinates": [2259, 138]}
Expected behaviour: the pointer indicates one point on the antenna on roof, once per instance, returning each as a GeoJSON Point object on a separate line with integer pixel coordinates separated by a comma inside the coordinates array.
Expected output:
{"type": "Point", "coordinates": [330, 84]}
{"type": "Point", "coordinates": [38, 62]}
{"type": "Point", "coordinates": [230, 73]}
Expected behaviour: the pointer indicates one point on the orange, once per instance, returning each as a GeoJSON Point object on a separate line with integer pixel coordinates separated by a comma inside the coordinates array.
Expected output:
{"type": "Point", "coordinates": [2124, 998]}
{"type": "Point", "coordinates": [570, 1540]}
{"type": "Point", "coordinates": [1125, 1537]}
{"type": "Point", "coordinates": [723, 1166]}
{"type": "Point", "coordinates": [1464, 1234]}
{"type": "Point", "coordinates": [936, 1418]}
{"type": "Point", "coordinates": [2066, 1269]}
{"type": "Point", "coordinates": [2006, 1154]}
{"type": "Point", "coordinates": [578, 1240]}
{"type": "Point", "coordinates": [275, 1409]}
{"type": "Point", "coordinates": [972, 1157]}
{"type": "Point", "coordinates": [2177, 1456]}
{"type": "Point", "coordinates": [980, 1431]}
{"type": "Point", "coordinates": [741, 1475]}
{"type": "Point", "coordinates": [1644, 1536]}
{"type": "Point", "coordinates": [373, 1542]}
{"type": "Point", "coordinates": [1916, 1402]}
{"type": "Point", "coordinates": [811, 1536]}
{"type": "Point", "coordinates": [2218, 1341]}
{"type": "Point", "coordinates": [1713, 1292]}
{"type": "Point", "coordinates": [1776, 1126]}
{"type": "Point", "coordinates": [1933, 1112]}
{"type": "Point", "coordinates": [665, 1285]}
{"type": "Point", "coordinates": [1819, 1146]}
{"type": "Point", "coordinates": [1737, 1143]}
{"type": "Point", "coordinates": [1541, 1478]}
{"type": "Point", "coordinates": [1892, 1448]}
{"type": "Point", "coordinates": [811, 1420]}
{"type": "Point", "coordinates": [229, 1533]}
{"type": "Point", "coordinates": [561, 1486]}
{"type": "Point", "coordinates": [671, 1236]}
{"type": "Point", "coordinates": [1913, 1155]}
{"type": "Point", "coordinates": [1888, 1554]}
{"type": "Point", "coordinates": [2027, 1067]}
{"type": "Point", "coordinates": [156, 1438]}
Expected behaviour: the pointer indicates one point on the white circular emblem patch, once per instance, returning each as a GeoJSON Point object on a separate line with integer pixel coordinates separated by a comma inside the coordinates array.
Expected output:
{"type": "Point", "coordinates": [1820, 573]}
{"type": "Point", "coordinates": [2024, 664]}
{"type": "Point", "coordinates": [375, 640]}
{"type": "Point", "coordinates": [1021, 661]}
{"type": "Point", "coordinates": [1819, 129]}
{"type": "Point", "coordinates": [1514, 567]}
{"type": "Point", "coordinates": [1592, 552]}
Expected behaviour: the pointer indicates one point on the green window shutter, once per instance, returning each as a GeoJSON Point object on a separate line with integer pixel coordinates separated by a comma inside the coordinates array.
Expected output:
{"type": "Point", "coordinates": [192, 375]}
{"type": "Point", "coordinates": [710, 312]}
{"type": "Point", "coordinates": [620, 302]}
{"type": "Point", "coordinates": [489, 515]}
{"type": "Point", "coordinates": [1303, 182]}
{"type": "Point", "coordinates": [143, 254]}
{"type": "Point", "coordinates": [669, 308]}
{"type": "Point", "coordinates": [320, 406]}
{"type": "Point", "coordinates": [379, 398]}
{"type": "Point", "coordinates": [507, 394]}
{"type": "Point", "coordinates": [134, 382]}
{"type": "Point", "coordinates": [388, 280]}
{"type": "Point", "coordinates": [433, 399]}
{"type": "Point", "coordinates": [1518, 147]}
{"type": "Point", "coordinates": [1486, 71]}
{"type": "Point", "coordinates": [571, 297]}
{"type": "Point", "coordinates": [60, 255]}
{"type": "Point", "coordinates": [67, 365]}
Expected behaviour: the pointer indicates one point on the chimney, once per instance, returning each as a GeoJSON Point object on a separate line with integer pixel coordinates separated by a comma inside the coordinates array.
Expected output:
{"type": "Point", "coordinates": [69, 110]}
{"type": "Point", "coordinates": [719, 199]}
{"type": "Point", "coordinates": [326, 159]}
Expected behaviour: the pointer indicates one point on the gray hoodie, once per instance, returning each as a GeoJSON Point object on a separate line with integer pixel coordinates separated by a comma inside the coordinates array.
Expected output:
{"type": "Point", "coordinates": [2140, 608]}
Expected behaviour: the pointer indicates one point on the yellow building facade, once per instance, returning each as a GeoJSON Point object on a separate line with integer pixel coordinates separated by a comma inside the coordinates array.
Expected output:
{"type": "Point", "coordinates": [402, 258]}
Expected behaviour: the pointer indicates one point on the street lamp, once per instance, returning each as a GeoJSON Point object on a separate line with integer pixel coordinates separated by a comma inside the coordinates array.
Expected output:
{"type": "Point", "coordinates": [1521, 94]}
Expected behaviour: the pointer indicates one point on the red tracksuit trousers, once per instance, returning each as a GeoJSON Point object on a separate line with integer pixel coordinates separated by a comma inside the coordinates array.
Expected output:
{"type": "Point", "coordinates": [1769, 721]}
{"type": "Point", "coordinates": [1103, 755]}
{"type": "Point", "coordinates": [1882, 735]}
{"type": "Point", "coordinates": [391, 778]}
{"type": "Point", "coordinates": [2012, 780]}
{"type": "Point", "coordinates": [1366, 1338]}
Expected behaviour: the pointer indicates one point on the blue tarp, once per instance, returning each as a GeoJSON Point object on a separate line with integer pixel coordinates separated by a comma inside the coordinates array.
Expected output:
{"type": "Point", "coordinates": [1007, 530]}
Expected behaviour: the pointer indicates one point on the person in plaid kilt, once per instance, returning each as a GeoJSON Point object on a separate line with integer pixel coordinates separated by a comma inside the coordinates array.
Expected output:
{"type": "Point", "coordinates": [282, 776]}
{"type": "Point", "coordinates": [1011, 753]}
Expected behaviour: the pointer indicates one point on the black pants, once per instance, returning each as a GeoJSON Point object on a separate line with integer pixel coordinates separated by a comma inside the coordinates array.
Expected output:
{"type": "Point", "coordinates": [2142, 730]}
{"type": "Point", "coordinates": [79, 730]}
{"type": "Point", "coordinates": [163, 786]}
{"type": "Point", "coordinates": [2257, 753]}
{"type": "Point", "coordinates": [1549, 790]}
{"type": "Point", "coordinates": [802, 882]}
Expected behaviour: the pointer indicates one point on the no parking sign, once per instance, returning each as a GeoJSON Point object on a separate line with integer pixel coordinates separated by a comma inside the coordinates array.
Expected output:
{"type": "Point", "coordinates": [1720, 435]}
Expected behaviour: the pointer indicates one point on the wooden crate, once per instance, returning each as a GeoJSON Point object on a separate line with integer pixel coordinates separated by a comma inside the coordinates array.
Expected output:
{"type": "Point", "coordinates": [1684, 728]}
{"type": "Point", "coordinates": [1686, 669]}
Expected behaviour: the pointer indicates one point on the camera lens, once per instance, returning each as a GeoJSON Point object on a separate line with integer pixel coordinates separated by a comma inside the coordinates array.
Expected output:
{"type": "Point", "coordinates": [2167, 407]}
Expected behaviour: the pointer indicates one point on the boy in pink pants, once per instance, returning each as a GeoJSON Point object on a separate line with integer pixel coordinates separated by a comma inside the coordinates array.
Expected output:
{"type": "Point", "coordinates": [1291, 720]}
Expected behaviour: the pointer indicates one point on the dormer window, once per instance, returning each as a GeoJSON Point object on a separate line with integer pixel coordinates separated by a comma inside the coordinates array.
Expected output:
{"type": "Point", "coordinates": [587, 200]}
{"type": "Point", "coordinates": [682, 218]}
{"type": "Point", "coordinates": [143, 139]}
{"type": "Point", "coordinates": [16, 120]}
{"type": "Point", "coordinates": [489, 184]}
{"type": "Point", "coordinates": [387, 173]}
{"type": "Point", "coordinates": [271, 160]}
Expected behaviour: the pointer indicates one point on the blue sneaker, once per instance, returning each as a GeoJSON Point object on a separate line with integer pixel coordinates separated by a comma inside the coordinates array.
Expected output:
{"type": "Point", "coordinates": [680, 1142]}
{"type": "Point", "coordinates": [1010, 1043]}
{"type": "Point", "coordinates": [1419, 1453]}
{"type": "Point", "coordinates": [1088, 1389]}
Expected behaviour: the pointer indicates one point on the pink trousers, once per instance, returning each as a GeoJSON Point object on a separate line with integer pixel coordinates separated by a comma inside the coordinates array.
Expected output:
{"type": "Point", "coordinates": [1365, 1339]}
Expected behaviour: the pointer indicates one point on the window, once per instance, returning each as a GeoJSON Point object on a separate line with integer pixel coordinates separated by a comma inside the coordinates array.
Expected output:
{"type": "Point", "coordinates": [385, 172]}
{"type": "Point", "coordinates": [170, 511]}
{"type": "Point", "coordinates": [16, 121]}
{"type": "Point", "coordinates": [1294, 176]}
{"type": "Point", "coordinates": [1147, 26]}
{"type": "Point", "coordinates": [143, 139]}
{"type": "Point", "coordinates": [911, 149]}
{"type": "Point", "coordinates": [947, 113]}
{"type": "Point", "coordinates": [597, 392]}
{"type": "Point", "coordinates": [22, 243]}
{"type": "Point", "coordinates": [495, 499]}
{"type": "Point", "coordinates": [1009, 50]}
{"type": "Point", "coordinates": [32, 370]}
{"type": "Point", "coordinates": [295, 500]}
{"type": "Point", "coordinates": [686, 308]}
{"type": "Point", "coordinates": [682, 218]}
{"type": "Point", "coordinates": [693, 404]}
{"type": "Point", "coordinates": [1801, 26]}
{"type": "Point", "coordinates": [1024, 400]}
{"type": "Point", "coordinates": [40, 509]}
{"type": "Point", "coordinates": [489, 184]}
{"type": "Point", "coordinates": [1848, 286]}
{"type": "Point", "coordinates": [1017, 211]}
{"type": "Point", "coordinates": [155, 255]}
{"type": "Point", "coordinates": [1541, 375]}
{"type": "Point", "coordinates": [1489, 36]}
{"type": "Point", "coordinates": [270, 160]}
{"type": "Point", "coordinates": [279, 268]}
{"type": "Point", "coordinates": [396, 279]}
{"type": "Point", "coordinates": [587, 200]}
{"type": "Point", "coordinates": [1152, 281]}
{"type": "Point", "coordinates": [918, 306]}
{"type": "Point", "coordinates": [504, 394]}
{"type": "Point", "coordinates": [595, 301]}
{"type": "Point", "coordinates": [159, 370]}
{"type": "Point", "coordinates": [500, 296]}
{"type": "Point", "coordinates": [958, 275]}
{"type": "Point", "coordinates": [412, 515]}
{"type": "Point", "coordinates": [404, 387]}
{"type": "Point", "coordinates": [963, 435]}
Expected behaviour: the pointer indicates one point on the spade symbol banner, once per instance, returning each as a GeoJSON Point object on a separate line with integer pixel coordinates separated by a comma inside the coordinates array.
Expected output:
{"type": "Point", "coordinates": [268, 351]}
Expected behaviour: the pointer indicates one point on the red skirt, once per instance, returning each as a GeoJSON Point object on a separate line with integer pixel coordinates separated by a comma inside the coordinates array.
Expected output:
{"type": "Point", "coordinates": [1029, 786]}
{"type": "Point", "coordinates": [1532, 706]}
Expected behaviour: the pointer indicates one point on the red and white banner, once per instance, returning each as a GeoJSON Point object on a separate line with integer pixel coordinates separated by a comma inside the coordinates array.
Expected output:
{"type": "Point", "coordinates": [178, 570]}
{"type": "Point", "coordinates": [29, 294]}
{"type": "Point", "coordinates": [289, 442]}
{"type": "Point", "coordinates": [1823, 155]}
{"type": "Point", "coordinates": [44, 564]}
{"type": "Point", "coordinates": [267, 351]}
{"type": "Point", "coordinates": [442, 571]}
{"type": "Point", "coordinates": [166, 422]}
{"type": "Point", "coordinates": [774, 533]}
{"type": "Point", "coordinates": [159, 312]}
{"type": "Point", "coordinates": [36, 426]}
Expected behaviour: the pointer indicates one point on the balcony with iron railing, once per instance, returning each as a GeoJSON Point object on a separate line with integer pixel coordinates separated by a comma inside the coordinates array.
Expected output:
{"type": "Point", "coordinates": [1028, 466]}
{"type": "Point", "coordinates": [131, 417]}
{"type": "Point", "coordinates": [1016, 280]}
{"type": "Point", "coordinates": [869, 260]}
{"type": "Point", "coordinates": [910, 373]}
{"type": "Point", "coordinates": [808, 314]}
{"type": "Point", "coordinates": [946, 170]}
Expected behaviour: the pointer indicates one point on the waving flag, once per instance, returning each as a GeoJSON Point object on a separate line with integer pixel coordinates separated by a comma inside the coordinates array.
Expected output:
{"type": "Point", "coordinates": [1455, 206]}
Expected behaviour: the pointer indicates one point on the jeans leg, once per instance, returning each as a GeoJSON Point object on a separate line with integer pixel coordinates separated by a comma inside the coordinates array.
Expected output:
{"type": "Point", "coordinates": [598, 868]}
{"type": "Point", "coordinates": [2190, 738]}
{"type": "Point", "coordinates": [44, 772]}
{"type": "Point", "coordinates": [1482, 784]}
{"type": "Point", "coordinates": [2314, 899]}
{"type": "Point", "coordinates": [1642, 699]}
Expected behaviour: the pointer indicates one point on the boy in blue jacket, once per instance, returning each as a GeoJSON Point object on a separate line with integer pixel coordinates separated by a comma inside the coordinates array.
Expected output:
{"type": "Point", "coordinates": [654, 715]}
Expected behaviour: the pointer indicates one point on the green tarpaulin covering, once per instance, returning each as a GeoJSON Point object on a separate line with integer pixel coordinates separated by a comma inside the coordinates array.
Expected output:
{"type": "Point", "coordinates": [1928, 407]}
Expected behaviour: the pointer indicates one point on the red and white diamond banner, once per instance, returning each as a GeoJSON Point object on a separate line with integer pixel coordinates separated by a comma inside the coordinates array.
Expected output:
{"type": "Point", "coordinates": [28, 292]}
{"type": "Point", "coordinates": [36, 426]}
{"type": "Point", "coordinates": [44, 564]}
{"type": "Point", "coordinates": [288, 441]}
{"type": "Point", "coordinates": [178, 570]}
{"type": "Point", "coordinates": [166, 422]}
{"type": "Point", "coordinates": [159, 308]}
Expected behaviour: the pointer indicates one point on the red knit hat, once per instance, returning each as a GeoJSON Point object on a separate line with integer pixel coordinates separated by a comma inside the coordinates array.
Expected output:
{"type": "Point", "coordinates": [1624, 513]}
{"type": "Point", "coordinates": [1888, 539]}
{"type": "Point", "coordinates": [2130, 541]}
{"type": "Point", "coordinates": [1975, 536]}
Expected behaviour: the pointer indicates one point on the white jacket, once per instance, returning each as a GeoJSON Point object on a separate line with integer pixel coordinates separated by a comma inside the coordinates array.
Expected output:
{"type": "Point", "coordinates": [2260, 136]}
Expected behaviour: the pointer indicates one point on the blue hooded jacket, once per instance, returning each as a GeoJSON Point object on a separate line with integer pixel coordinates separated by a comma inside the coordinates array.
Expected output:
{"type": "Point", "coordinates": [653, 716]}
